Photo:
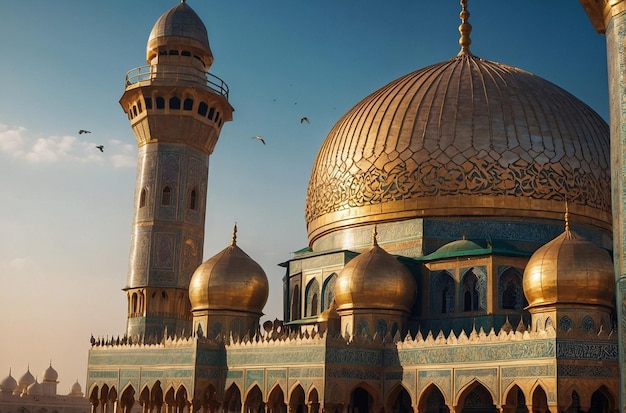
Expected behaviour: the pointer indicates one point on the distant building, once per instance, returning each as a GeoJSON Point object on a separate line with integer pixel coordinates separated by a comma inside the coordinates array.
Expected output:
{"type": "Point", "coordinates": [28, 395]}
{"type": "Point", "coordinates": [459, 222]}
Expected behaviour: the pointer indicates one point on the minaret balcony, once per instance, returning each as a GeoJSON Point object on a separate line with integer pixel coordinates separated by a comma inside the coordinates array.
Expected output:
{"type": "Point", "coordinates": [174, 75]}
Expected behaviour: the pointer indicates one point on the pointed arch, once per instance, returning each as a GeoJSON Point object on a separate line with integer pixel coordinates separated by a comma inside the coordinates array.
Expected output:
{"type": "Point", "coordinates": [144, 398]}
{"type": "Point", "coordinates": [182, 401]}
{"type": "Point", "coordinates": [399, 400]}
{"type": "Point", "coordinates": [311, 297]}
{"type": "Point", "coordinates": [515, 400]}
{"type": "Point", "coordinates": [166, 195]}
{"type": "Point", "coordinates": [127, 399]}
{"type": "Point", "coordinates": [443, 293]}
{"type": "Point", "coordinates": [276, 400]}
{"type": "Point", "coordinates": [93, 395]}
{"type": "Point", "coordinates": [297, 400]}
{"type": "Point", "coordinates": [295, 303]}
{"type": "Point", "coordinates": [475, 395]}
{"type": "Point", "coordinates": [602, 400]}
{"type": "Point", "coordinates": [313, 400]}
{"type": "Point", "coordinates": [254, 400]}
{"type": "Point", "coordinates": [328, 291]}
{"type": "Point", "coordinates": [470, 291]}
{"type": "Point", "coordinates": [156, 396]}
{"type": "Point", "coordinates": [232, 399]}
{"type": "Point", "coordinates": [432, 400]}
{"type": "Point", "coordinates": [510, 291]}
{"type": "Point", "coordinates": [362, 398]}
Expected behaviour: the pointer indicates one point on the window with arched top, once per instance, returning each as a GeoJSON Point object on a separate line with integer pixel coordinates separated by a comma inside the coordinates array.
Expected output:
{"type": "Point", "coordinates": [510, 290]}
{"type": "Point", "coordinates": [166, 195]}
{"type": "Point", "coordinates": [202, 108]}
{"type": "Point", "coordinates": [148, 103]}
{"type": "Point", "coordinates": [142, 197]}
{"type": "Point", "coordinates": [174, 103]}
{"type": "Point", "coordinates": [295, 303]}
{"type": "Point", "coordinates": [328, 291]}
{"type": "Point", "coordinates": [470, 292]}
{"type": "Point", "coordinates": [311, 296]}
{"type": "Point", "coordinates": [139, 106]}
{"type": "Point", "coordinates": [193, 199]}
{"type": "Point", "coordinates": [188, 104]}
{"type": "Point", "coordinates": [443, 292]}
{"type": "Point", "coordinates": [211, 113]}
{"type": "Point", "coordinates": [160, 102]}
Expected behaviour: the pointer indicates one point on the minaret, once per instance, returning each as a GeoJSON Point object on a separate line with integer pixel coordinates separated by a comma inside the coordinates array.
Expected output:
{"type": "Point", "coordinates": [176, 109]}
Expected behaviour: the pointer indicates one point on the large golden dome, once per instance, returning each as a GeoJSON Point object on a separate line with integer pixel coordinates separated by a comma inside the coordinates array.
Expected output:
{"type": "Point", "coordinates": [465, 137]}
{"type": "Point", "coordinates": [230, 280]}
{"type": "Point", "coordinates": [569, 269]}
{"type": "Point", "coordinates": [375, 280]}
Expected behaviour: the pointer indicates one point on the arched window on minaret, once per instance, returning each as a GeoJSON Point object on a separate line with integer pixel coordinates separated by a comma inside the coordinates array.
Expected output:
{"type": "Point", "coordinates": [295, 303]}
{"type": "Point", "coordinates": [188, 104]}
{"type": "Point", "coordinates": [139, 106]}
{"type": "Point", "coordinates": [174, 103]}
{"type": "Point", "coordinates": [193, 199]}
{"type": "Point", "coordinates": [311, 297]}
{"type": "Point", "coordinates": [142, 198]}
{"type": "Point", "coordinates": [202, 109]}
{"type": "Point", "coordinates": [160, 102]}
{"type": "Point", "coordinates": [211, 113]}
{"type": "Point", "coordinates": [470, 292]}
{"type": "Point", "coordinates": [133, 309]}
{"type": "Point", "coordinates": [166, 196]}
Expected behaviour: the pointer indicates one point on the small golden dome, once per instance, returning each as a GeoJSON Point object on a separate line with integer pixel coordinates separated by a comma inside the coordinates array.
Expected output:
{"type": "Point", "coordinates": [50, 374]}
{"type": "Point", "coordinates": [569, 269]}
{"type": "Point", "coordinates": [230, 280]}
{"type": "Point", "coordinates": [329, 314]}
{"type": "Point", "coordinates": [27, 378]}
{"type": "Point", "coordinates": [375, 280]}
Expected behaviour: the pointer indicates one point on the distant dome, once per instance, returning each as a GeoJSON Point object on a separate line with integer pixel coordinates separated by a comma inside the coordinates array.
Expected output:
{"type": "Point", "coordinates": [27, 379]}
{"type": "Point", "coordinates": [467, 137]}
{"type": "Point", "coordinates": [230, 280]}
{"type": "Point", "coordinates": [375, 279]}
{"type": "Point", "coordinates": [180, 26]}
{"type": "Point", "coordinates": [569, 269]}
{"type": "Point", "coordinates": [35, 389]}
{"type": "Point", "coordinates": [76, 390]}
{"type": "Point", "coordinates": [50, 374]}
{"type": "Point", "coordinates": [8, 385]}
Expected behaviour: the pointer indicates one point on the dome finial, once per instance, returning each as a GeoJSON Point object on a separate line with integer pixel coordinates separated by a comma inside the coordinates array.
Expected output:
{"type": "Point", "coordinates": [566, 216]}
{"type": "Point", "coordinates": [375, 236]}
{"type": "Point", "coordinates": [465, 29]}
{"type": "Point", "coordinates": [234, 241]}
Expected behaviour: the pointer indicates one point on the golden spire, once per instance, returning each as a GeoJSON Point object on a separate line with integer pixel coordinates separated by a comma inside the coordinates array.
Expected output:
{"type": "Point", "coordinates": [465, 29]}
{"type": "Point", "coordinates": [566, 217]}
{"type": "Point", "coordinates": [374, 236]}
{"type": "Point", "coordinates": [234, 241]}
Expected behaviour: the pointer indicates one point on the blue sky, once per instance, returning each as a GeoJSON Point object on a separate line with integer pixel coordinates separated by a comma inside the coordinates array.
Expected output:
{"type": "Point", "coordinates": [66, 208]}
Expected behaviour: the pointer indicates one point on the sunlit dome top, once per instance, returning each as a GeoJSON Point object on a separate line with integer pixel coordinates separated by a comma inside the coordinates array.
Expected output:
{"type": "Point", "coordinates": [569, 270]}
{"type": "Point", "coordinates": [27, 379]}
{"type": "Point", "coordinates": [50, 374]}
{"type": "Point", "coordinates": [466, 137]}
{"type": "Point", "coordinates": [180, 27]}
{"type": "Point", "coordinates": [35, 389]}
{"type": "Point", "coordinates": [8, 384]}
{"type": "Point", "coordinates": [375, 279]}
{"type": "Point", "coordinates": [230, 280]}
{"type": "Point", "coordinates": [76, 390]}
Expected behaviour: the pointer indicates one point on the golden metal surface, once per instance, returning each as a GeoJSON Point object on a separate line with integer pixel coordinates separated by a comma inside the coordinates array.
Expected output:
{"type": "Point", "coordinates": [601, 12]}
{"type": "Point", "coordinates": [375, 279]}
{"type": "Point", "coordinates": [462, 137]}
{"type": "Point", "coordinates": [569, 269]}
{"type": "Point", "coordinates": [230, 280]}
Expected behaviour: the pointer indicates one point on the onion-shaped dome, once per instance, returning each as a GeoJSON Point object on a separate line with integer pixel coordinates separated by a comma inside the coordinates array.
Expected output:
{"type": "Point", "coordinates": [329, 314]}
{"type": "Point", "coordinates": [50, 374]}
{"type": "Point", "coordinates": [8, 384]}
{"type": "Point", "coordinates": [464, 137]}
{"type": "Point", "coordinates": [181, 21]}
{"type": "Point", "coordinates": [569, 270]}
{"type": "Point", "coordinates": [27, 379]}
{"type": "Point", "coordinates": [375, 279]}
{"type": "Point", "coordinates": [35, 389]}
{"type": "Point", "coordinates": [76, 390]}
{"type": "Point", "coordinates": [230, 280]}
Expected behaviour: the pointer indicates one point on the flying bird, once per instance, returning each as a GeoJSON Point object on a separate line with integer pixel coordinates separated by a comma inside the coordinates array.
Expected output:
{"type": "Point", "coordinates": [259, 138]}
{"type": "Point", "coordinates": [80, 132]}
{"type": "Point", "coordinates": [101, 147]}
{"type": "Point", "coordinates": [304, 119]}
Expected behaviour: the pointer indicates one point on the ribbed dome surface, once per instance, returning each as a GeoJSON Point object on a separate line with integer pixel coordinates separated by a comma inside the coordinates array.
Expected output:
{"type": "Point", "coordinates": [230, 280]}
{"type": "Point", "coordinates": [569, 269]}
{"type": "Point", "coordinates": [180, 21]}
{"type": "Point", "coordinates": [375, 280]}
{"type": "Point", "coordinates": [27, 379]}
{"type": "Point", "coordinates": [465, 137]}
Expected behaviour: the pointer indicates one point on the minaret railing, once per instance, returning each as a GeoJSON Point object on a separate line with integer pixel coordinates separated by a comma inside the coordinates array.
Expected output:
{"type": "Point", "coordinates": [150, 74]}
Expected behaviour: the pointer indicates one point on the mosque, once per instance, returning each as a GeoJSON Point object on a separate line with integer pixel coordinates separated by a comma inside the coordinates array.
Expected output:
{"type": "Point", "coordinates": [29, 395]}
{"type": "Point", "coordinates": [460, 232]}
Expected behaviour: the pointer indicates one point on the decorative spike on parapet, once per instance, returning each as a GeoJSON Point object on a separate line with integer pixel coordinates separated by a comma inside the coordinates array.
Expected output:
{"type": "Point", "coordinates": [465, 29]}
